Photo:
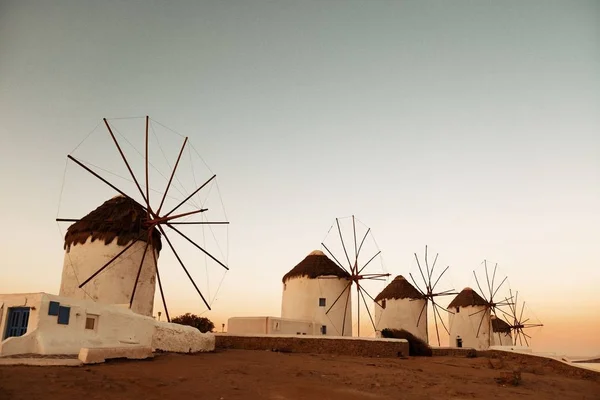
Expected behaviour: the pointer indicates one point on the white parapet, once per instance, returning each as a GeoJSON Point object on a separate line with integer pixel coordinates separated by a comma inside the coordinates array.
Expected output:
{"type": "Point", "coordinates": [181, 339]}
{"type": "Point", "coordinates": [98, 355]}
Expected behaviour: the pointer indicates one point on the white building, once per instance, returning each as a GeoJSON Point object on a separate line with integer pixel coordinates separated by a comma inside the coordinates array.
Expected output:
{"type": "Point", "coordinates": [310, 291]}
{"type": "Point", "coordinates": [98, 237]}
{"type": "Point", "coordinates": [467, 311]}
{"type": "Point", "coordinates": [501, 332]}
{"type": "Point", "coordinates": [271, 326]}
{"type": "Point", "coordinates": [399, 306]}
{"type": "Point", "coordinates": [41, 323]}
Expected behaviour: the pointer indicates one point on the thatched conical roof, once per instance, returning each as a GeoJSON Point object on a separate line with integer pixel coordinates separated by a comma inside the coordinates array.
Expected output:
{"type": "Point", "coordinates": [120, 217]}
{"type": "Point", "coordinates": [499, 325]}
{"type": "Point", "coordinates": [467, 297]}
{"type": "Point", "coordinates": [399, 288]}
{"type": "Point", "coordinates": [314, 265]}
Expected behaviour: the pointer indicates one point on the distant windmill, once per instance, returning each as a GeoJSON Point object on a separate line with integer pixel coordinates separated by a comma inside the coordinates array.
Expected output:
{"type": "Point", "coordinates": [355, 269]}
{"type": "Point", "coordinates": [517, 323]}
{"type": "Point", "coordinates": [430, 294]}
{"type": "Point", "coordinates": [491, 307]}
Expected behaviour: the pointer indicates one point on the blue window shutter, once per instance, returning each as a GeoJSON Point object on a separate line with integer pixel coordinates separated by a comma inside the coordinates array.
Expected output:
{"type": "Point", "coordinates": [63, 315]}
{"type": "Point", "coordinates": [17, 321]}
{"type": "Point", "coordinates": [53, 308]}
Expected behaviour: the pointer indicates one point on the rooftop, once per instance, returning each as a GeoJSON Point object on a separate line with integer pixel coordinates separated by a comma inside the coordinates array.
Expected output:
{"type": "Point", "coordinates": [467, 297]}
{"type": "Point", "coordinates": [119, 218]}
{"type": "Point", "coordinates": [399, 288]}
{"type": "Point", "coordinates": [316, 264]}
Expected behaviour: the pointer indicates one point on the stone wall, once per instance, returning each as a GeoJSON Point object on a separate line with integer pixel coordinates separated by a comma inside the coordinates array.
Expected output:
{"type": "Point", "coordinates": [317, 345]}
{"type": "Point", "coordinates": [454, 351]}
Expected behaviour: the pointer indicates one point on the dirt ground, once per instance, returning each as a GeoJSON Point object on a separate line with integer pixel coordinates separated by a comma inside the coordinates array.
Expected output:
{"type": "Point", "coordinates": [246, 374]}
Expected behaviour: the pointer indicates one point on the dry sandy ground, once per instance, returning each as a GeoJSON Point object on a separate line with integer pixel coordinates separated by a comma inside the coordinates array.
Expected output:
{"type": "Point", "coordinates": [245, 374]}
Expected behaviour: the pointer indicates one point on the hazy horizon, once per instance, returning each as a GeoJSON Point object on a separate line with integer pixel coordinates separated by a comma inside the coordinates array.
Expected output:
{"type": "Point", "coordinates": [470, 127]}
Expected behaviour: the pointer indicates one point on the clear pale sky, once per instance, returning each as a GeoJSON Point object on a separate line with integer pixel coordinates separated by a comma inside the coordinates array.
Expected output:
{"type": "Point", "coordinates": [468, 126]}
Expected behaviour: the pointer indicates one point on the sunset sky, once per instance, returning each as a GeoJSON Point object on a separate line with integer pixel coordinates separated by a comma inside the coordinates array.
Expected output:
{"type": "Point", "coordinates": [471, 127]}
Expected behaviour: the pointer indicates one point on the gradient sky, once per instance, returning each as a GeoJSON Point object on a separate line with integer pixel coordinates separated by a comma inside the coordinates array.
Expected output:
{"type": "Point", "coordinates": [469, 126]}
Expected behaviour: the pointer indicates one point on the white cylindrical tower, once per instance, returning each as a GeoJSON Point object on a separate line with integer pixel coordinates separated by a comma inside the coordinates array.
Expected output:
{"type": "Point", "coordinates": [467, 311]}
{"type": "Point", "coordinates": [311, 288]}
{"type": "Point", "coordinates": [94, 240]}
{"type": "Point", "coordinates": [400, 305]}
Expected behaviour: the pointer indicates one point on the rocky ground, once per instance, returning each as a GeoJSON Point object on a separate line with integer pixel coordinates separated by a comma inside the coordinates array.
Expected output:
{"type": "Point", "coordinates": [246, 374]}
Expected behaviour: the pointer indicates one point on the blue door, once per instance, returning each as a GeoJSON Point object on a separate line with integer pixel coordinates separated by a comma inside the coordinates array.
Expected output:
{"type": "Point", "coordinates": [16, 323]}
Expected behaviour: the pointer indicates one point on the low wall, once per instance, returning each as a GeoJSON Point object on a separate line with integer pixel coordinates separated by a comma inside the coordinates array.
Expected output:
{"type": "Point", "coordinates": [181, 339]}
{"type": "Point", "coordinates": [363, 347]}
{"type": "Point", "coordinates": [454, 351]}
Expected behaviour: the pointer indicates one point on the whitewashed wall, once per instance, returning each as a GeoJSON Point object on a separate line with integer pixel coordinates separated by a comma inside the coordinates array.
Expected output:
{"type": "Point", "coordinates": [116, 326]}
{"type": "Point", "coordinates": [300, 301]}
{"type": "Point", "coordinates": [247, 325]}
{"type": "Point", "coordinates": [279, 326]}
{"type": "Point", "coordinates": [465, 325]}
{"type": "Point", "coordinates": [402, 314]}
{"type": "Point", "coordinates": [114, 285]}
{"type": "Point", "coordinates": [270, 325]}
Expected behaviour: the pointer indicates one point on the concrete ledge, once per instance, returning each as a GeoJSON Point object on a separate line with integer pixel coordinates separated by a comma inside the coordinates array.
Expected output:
{"type": "Point", "coordinates": [365, 347]}
{"type": "Point", "coordinates": [101, 354]}
{"type": "Point", "coordinates": [42, 362]}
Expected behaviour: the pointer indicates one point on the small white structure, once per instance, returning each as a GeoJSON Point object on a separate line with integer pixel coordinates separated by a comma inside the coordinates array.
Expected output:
{"type": "Point", "coordinates": [399, 306]}
{"type": "Point", "coordinates": [97, 238]}
{"type": "Point", "coordinates": [41, 323]}
{"type": "Point", "coordinates": [271, 326]}
{"type": "Point", "coordinates": [467, 311]}
{"type": "Point", "coordinates": [310, 290]}
{"type": "Point", "coordinates": [501, 332]}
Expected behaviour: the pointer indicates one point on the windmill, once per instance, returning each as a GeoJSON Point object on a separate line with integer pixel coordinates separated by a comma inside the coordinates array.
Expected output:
{"type": "Point", "coordinates": [355, 268]}
{"type": "Point", "coordinates": [430, 294]}
{"type": "Point", "coordinates": [491, 307]}
{"type": "Point", "coordinates": [517, 323]}
{"type": "Point", "coordinates": [150, 218]}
